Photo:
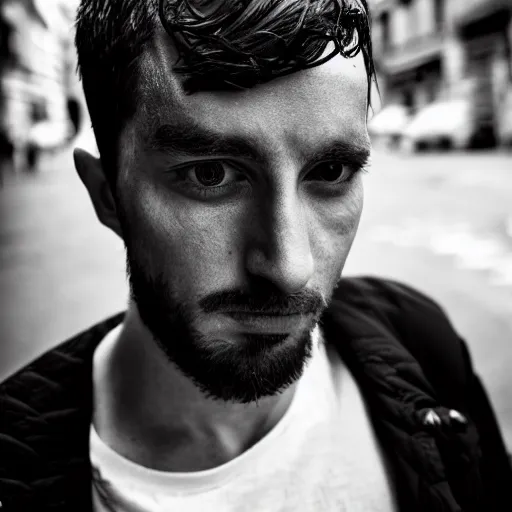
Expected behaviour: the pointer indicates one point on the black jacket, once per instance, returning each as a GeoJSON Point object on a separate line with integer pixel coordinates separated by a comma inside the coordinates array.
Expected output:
{"type": "Point", "coordinates": [398, 344]}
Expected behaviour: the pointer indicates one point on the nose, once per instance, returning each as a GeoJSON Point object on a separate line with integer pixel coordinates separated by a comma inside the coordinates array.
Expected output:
{"type": "Point", "coordinates": [280, 251]}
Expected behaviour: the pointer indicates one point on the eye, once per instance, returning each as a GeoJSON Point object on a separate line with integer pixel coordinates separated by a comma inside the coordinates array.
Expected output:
{"type": "Point", "coordinates": [208, 178]}
{"type": "Point", "coordinates": [330, 172]}
{"type": "Point", "coordinates": [208, 174]}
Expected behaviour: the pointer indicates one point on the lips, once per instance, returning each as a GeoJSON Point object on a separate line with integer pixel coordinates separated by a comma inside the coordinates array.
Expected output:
{"type": "Point", "coordinates": [265, 323]}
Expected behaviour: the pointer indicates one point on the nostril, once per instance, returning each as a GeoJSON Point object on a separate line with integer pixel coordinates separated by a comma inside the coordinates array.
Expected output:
{"type": "Point", "coordinates": [287, 271]}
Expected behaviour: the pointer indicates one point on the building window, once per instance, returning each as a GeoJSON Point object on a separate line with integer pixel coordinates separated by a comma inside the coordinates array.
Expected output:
{"type": "Point", "coordinates": [439, 14]}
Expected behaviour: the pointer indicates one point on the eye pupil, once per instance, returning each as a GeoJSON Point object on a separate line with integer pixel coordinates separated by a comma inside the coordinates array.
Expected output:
{"type": "Point", "coordinates": [331, 172]}
{"type": "Point", "coordinates": [210, 174]}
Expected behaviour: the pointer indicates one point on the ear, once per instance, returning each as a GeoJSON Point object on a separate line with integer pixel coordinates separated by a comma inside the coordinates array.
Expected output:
{"type": "Point", "coordinates": [91, 173]}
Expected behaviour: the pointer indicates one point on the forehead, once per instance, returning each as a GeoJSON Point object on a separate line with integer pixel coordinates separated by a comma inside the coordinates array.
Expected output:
{"type": "Point", "coordinates": [328, 101]}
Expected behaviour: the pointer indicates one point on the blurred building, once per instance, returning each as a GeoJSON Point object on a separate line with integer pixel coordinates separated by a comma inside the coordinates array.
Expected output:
{"type": "Point", "coordinates": [37, 73]}
{"type": "Point", "coordinates": [431, 51]}
{"type": "Point", "coordinates": [409, 49]}
{"type": "Point", "coordinates": [484, 30]}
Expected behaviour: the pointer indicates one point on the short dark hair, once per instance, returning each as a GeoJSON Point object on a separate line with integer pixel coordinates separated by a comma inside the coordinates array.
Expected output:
{"type": "Point", "coordinates": [222, 44]}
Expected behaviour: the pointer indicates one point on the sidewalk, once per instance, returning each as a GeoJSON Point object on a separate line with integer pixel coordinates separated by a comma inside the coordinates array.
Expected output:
{"type": "Point", "coordinates": [60, 270]}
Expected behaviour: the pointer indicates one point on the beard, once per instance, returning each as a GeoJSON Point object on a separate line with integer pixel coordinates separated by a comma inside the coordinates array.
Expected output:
{"type": "Point", "coordinates": [242, 370]}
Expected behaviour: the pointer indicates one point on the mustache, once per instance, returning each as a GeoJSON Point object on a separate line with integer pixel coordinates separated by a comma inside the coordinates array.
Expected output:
{"type": "Point", "coordinates": [267, 303]}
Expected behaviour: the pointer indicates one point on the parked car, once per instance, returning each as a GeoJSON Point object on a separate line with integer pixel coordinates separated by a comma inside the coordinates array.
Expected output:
{"type": "Point", "coordinates": [505, 121]}
{"type": "Point", "coordinates": [442, 124]}
{"type": "Point", "coordinates": [389, 123]}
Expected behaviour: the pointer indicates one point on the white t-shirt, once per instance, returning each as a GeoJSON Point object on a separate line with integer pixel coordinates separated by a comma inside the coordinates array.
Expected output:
{"type": "Point", "coordinates": [321, 456]}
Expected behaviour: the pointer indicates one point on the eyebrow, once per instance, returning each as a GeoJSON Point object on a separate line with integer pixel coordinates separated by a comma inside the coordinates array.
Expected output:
{"type": "Point", "coordinates": [197, 141]}
{"type": "Point", "coordinates": [357, 154]}
{"type": "Point", "coordinates": [193, 140]}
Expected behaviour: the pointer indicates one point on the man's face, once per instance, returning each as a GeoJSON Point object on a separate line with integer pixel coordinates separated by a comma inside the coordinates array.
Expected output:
{"type": "Point", "coordinates": [238, 212]}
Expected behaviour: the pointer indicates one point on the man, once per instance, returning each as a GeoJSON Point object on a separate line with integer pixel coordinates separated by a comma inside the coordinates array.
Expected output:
{"type": "Point", "coordinates": [245, 374]}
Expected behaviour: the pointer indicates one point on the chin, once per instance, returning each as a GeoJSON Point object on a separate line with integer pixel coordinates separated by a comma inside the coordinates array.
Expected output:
{"type": "Point", "coordinates": [244, 368]}
{"type": "Point", "coordinates": [230, 366]}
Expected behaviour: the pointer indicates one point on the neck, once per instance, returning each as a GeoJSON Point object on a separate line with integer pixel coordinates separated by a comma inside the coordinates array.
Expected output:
{"type": "Point", "coordinates": [149, 412]}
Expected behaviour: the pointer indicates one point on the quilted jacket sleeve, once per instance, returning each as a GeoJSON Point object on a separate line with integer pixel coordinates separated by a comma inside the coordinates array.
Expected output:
{"type": "Point", "coordinates": [496, 463]}
{"type": "Point", "coordinates": [446, 361]}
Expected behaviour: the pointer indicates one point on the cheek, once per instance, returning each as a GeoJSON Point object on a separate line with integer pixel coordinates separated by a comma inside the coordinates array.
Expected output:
{"type": "Point", "coordinates": [334, 228]}
{"type": "Point", "coordinates": [338, 218]}
{"type": "Point", "coordinates": [193, 243]}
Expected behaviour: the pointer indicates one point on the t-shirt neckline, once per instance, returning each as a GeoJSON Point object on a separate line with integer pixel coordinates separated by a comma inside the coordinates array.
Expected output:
{"type": "Point", "coordinates": [196, 481]}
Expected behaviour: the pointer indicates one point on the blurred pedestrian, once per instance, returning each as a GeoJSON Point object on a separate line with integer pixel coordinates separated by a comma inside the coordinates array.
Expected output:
{"type": "Point", "coordinates": [245, 374]}
{"type": "Point", "coordinates": [73, 108]}
{"type": "Point", "coordinates": [6, 55]}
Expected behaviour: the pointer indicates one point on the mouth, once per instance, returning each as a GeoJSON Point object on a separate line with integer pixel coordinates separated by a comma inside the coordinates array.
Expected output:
{"type": "Point", "coordinates": [266, 323]}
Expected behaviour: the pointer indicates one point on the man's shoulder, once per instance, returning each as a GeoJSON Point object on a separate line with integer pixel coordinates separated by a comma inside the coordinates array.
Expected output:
{"type": "Point", "coordinates": [383, 294]}
{"type": "Point", "coordinates": [382, 309]}
{"type": "Point", "coordinates": [60, 364]}
{"type": "Point", "coordinates": [389, 307]}
{"type": "Point", "coordinates": [45, 414]}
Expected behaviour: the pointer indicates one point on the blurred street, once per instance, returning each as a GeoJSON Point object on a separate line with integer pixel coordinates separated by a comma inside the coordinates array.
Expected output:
{"type": "Point", "coordinates": [441, 222]}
